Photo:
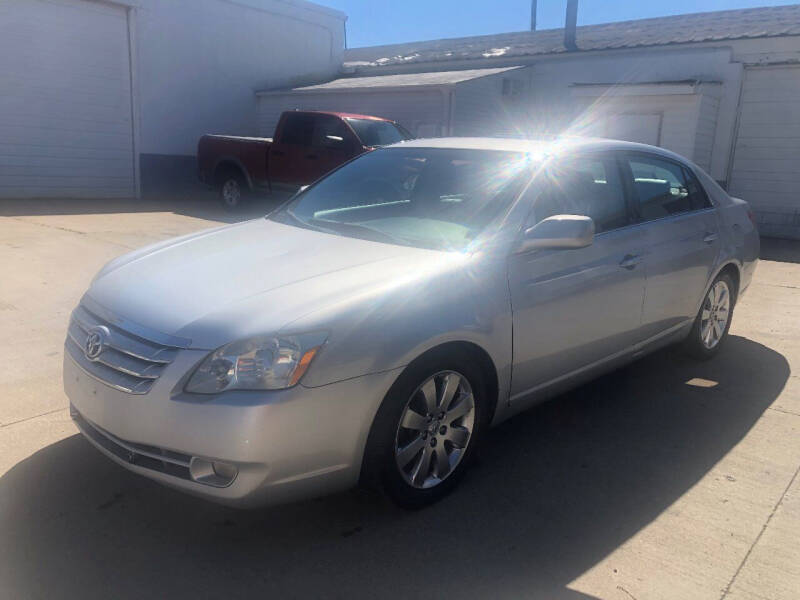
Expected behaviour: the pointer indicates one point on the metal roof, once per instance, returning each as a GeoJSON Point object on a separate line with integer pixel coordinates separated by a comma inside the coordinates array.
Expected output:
{"type": "Point", "coordinates": [679, 29]}
{"type": "Point", "coordinates": [393, 81]}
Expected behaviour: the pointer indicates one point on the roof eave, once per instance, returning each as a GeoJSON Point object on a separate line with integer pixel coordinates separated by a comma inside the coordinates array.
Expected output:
{"type": "Point", "coordinates": [350, 90]}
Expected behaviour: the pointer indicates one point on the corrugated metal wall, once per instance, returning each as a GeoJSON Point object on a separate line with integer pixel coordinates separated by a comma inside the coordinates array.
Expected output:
{"type": "Point", "coordinates": [706, 130]}
{"type": "Point", "coordinates": [482, 109]}
{"type": "Point", "coordinates": [766, 163]}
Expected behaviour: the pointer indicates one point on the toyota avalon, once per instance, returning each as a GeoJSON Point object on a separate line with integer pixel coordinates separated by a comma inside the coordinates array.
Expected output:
{"type": "Point", "coordinates": [371, 329]}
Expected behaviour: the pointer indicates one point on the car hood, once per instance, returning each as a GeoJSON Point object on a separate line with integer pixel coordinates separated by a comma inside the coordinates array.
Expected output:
{"type": "Point", "coordinates": [253, 277]}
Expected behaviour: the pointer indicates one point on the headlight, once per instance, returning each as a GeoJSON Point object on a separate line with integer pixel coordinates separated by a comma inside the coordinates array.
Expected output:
{"type": "Point", "coordinates": [259, 363]}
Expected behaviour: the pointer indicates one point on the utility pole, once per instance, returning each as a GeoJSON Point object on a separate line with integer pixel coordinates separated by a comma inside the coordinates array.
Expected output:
{"type": "Point", "coordinates": [570, 25]}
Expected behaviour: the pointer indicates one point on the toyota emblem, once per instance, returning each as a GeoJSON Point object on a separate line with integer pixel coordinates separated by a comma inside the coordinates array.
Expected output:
{"type": "Point", "coordinates": [95, 342]}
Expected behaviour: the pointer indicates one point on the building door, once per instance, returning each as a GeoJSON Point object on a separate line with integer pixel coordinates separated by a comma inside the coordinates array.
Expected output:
{"type": "Point", "coordinates": [643, 129]}
{"type": "Point", "coordinates": [765, 168]}
{"type": "Point", "coordinates": [65, 100]}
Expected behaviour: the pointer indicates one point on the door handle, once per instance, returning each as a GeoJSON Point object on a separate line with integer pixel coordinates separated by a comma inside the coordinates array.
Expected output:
{"type": "Point", "coordinates": [630, 261]}
{"type": "Point", "coordinates": [710, 237]}
{"type": "Point", "coordinates": [279, 153]}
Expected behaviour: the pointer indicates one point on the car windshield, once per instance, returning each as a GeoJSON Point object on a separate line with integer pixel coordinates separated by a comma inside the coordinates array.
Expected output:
{"type": "Point", "coordinates": [372, 132]}
{"type": "Point", "coordinates": [437, 198]}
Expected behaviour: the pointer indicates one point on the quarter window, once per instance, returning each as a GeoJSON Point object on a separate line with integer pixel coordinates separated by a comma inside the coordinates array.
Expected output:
{"type": "Point", "coordinates": [589, 186]}
{"type": "Point", "coordinates": [664, 188]}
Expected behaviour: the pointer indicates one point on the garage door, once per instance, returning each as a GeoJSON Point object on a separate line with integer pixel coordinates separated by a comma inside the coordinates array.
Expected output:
{"type": "Point", "coordinates": [65, 100]}
{"type": "Point", "coordinates": [766, 162]}
{"type": "Point", "coordinates": [643, 129]}
{"type": "Point", "coordinates": [422, 112]}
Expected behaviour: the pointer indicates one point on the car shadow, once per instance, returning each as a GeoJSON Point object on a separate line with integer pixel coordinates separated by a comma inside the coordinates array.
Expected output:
{"type": "Point", "coordinates": [556, 489]}
{"type": "Point", "coordinates": [780, 250]}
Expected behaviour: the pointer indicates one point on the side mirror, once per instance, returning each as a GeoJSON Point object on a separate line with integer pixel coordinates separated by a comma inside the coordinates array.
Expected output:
{"type": "Point", "coordinates": [559, 231]}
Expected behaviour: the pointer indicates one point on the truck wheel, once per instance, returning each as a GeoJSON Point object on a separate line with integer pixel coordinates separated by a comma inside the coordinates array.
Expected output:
{"type": "Point", "coordinates": [231, 190]}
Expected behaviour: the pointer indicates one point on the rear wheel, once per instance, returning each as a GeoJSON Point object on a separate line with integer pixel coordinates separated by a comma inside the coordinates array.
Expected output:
{"type": "Point", "coordinates": [427, 429]}
{"type": "Point", "coordinates": [713, 321]}
{"type": "Point", "coordinates": [231, 190]}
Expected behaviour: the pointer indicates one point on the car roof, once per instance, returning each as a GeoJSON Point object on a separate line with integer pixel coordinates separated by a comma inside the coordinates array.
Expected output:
{"type": "Point", "coordinates": [544, 147]}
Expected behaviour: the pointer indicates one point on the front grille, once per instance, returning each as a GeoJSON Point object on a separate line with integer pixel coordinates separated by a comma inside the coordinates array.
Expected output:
{"type": "Point", "coordinates": [128, 363]}
{"type": "Point", "coordinates": [141, 455]}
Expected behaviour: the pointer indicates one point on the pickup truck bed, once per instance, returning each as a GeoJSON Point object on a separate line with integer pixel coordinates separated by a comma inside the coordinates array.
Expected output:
{"type": "Point", "coordinates": [248, 154]}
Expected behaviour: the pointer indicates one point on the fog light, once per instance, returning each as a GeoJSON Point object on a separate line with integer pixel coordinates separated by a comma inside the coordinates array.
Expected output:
{"type": "Point", "coordinates": [216, 473]}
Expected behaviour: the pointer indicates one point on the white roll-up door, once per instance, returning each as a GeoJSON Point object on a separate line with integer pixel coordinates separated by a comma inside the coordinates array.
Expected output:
{"type": "Point", "coordinates": [65, 100]}
{"type": "Point", "coordinates": [766, 162]}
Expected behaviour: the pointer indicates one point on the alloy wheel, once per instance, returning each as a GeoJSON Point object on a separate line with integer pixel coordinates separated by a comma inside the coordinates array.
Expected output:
{"type": "Point", "coordinates": [435, 429]}
{"type": "Point", "coordinates": [715, 314]}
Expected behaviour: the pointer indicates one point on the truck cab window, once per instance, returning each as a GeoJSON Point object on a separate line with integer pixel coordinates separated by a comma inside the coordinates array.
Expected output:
{"type": "Point", "coordinates": [330, 132]}
{"type": "Point", "coordinates": [298, 129]}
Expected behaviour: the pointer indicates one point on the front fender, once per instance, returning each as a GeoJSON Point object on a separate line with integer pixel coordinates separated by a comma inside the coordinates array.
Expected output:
{"type": "Point", "coordinates": [387, 328]}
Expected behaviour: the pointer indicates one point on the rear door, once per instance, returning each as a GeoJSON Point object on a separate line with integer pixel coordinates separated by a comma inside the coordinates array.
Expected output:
{"type": "Point", "coordinates": [575, 308]}
{"type": "Point", "coordinates": [287, 162]}
{"type": "Point", "coordinates": [682, 234]}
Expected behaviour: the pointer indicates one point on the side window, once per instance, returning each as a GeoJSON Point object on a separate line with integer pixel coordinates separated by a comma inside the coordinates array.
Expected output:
{"type": "Point", "coordinates": [664, 188]}
{"type": "Point", "coordinates": [697, 195]}
{"type": "Point", "coordinates": [298, 129]}
{"type": "Point", "coordinates": [330, 132]}
{"type": "Point", "coordinates": [589, 186]}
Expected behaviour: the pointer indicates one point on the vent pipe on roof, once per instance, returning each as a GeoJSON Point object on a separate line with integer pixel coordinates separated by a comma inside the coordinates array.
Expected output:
{"type": "Point", "coordinates": [571, 25]}
{"type": "Point", "coordinates": [533, 15]}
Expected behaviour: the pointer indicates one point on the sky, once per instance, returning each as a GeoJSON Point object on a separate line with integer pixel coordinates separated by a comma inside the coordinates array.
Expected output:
{"type": "Point", "coordinates": [374, 22]}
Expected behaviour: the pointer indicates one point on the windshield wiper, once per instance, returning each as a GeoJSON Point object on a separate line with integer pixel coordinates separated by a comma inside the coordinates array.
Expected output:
{"type": "Point", "coordinates": [355, 229]}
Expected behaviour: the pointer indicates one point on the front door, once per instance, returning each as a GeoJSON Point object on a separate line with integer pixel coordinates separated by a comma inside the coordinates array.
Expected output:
{"type": "Point", "coordinates": [574, 308]}
{"type": "Point", "coordinates": [682, 239]}
{"type": "Point", "coordinates": [332, 144]}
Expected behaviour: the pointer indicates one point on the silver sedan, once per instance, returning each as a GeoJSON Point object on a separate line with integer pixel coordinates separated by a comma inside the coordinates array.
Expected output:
{"type": "Point", "coordinates": [373, 327]}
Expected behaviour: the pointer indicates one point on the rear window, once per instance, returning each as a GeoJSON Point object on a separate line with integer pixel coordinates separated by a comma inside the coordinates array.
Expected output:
{"type": "Point", "coordinates": [378, 133]}
{"type": "Point", "coordinates": [665, 188]}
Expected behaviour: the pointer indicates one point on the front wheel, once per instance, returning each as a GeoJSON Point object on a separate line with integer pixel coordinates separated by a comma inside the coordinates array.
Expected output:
{"type": "Point", "coordinates": [713, 321]}
{"type": "Point", "coordinates": [427, 429]}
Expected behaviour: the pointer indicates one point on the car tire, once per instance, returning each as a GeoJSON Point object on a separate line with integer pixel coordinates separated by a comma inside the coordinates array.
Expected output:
{"type": "Point", "coordinates": [232, 190]}
{"type": "Point", "coordinates": [419, 458]}
{"type": "Point", "coordinates": [710, 328]}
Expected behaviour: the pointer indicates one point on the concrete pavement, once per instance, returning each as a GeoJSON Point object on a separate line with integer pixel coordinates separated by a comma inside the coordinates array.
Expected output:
{"type": "Point", "coordinates": [667, 479]}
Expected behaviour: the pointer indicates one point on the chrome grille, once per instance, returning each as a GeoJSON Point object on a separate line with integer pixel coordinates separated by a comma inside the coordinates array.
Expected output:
{"type": "Point", "coordinates": [128, 363]}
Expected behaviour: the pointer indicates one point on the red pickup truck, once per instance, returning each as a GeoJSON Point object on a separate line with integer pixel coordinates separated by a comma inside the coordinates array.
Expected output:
{"type": "Point", "coordinates": [305, 147]}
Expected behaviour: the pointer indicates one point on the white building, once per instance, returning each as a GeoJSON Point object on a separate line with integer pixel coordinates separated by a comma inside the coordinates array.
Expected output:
{"type": "Point", "coordinates": [721, 88]}
{"type": "Point", "coordinates": [101, 98]}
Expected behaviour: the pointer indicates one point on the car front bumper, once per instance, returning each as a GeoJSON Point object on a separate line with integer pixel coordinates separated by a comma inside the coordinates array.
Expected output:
{"type": "Point", "coordinates": [286, 445]}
